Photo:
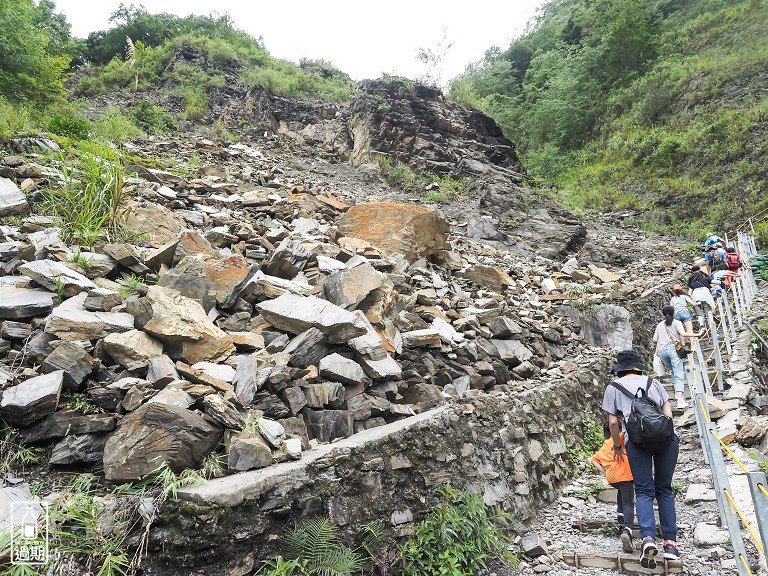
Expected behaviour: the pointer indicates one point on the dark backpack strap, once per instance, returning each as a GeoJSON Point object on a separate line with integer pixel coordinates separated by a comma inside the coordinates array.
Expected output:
{"type": "Point", "coordinates": [622, 389]}
{"type": "Point", "coordinates": [648, 386]}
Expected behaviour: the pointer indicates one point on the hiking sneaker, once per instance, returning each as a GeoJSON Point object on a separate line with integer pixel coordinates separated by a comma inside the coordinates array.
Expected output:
{"type": "Point", "coordinates": [649, 553]}
{"type": "Point", "coordinates": [681, 405]}
{"type": "Point", "coordinates": [626, 540]}
{"type": "Point", "coordinates": [671, 552]}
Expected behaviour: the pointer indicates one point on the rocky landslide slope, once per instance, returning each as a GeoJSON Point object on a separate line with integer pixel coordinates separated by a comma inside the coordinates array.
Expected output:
{"type": "Point", "coordinates": [272, 300]}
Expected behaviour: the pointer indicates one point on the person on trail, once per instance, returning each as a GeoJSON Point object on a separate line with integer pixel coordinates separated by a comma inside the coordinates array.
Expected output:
{"type": "Point", "coordinates": [669, 333]}
{"type": "Point", "coordinates": [680, 303]}
{"type": "Point", "coordinates": [733, 259]}
{"type": "Point", "coordinates": [618, 475]}
{"type": "Point", "coordinates": [712, 239]}
{"type": "Point", "coordinates": [725, 277]}
{"type": "Point", "coordinates": [700, 289]}
{"type": "Point", "coordinates": [652, 466]}
{"type": "Point", "coordinates": [714, 257]}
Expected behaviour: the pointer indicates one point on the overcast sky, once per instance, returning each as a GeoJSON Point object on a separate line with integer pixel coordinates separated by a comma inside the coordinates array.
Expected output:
{"type": "Point", "coordinates": [364, 39]}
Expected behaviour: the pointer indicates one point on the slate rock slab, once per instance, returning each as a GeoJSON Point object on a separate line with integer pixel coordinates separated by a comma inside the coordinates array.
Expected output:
{"type": "Point", "coordinates": [51, 274]}
{"type": "Point", "coordinates": [12, 201]}
{"type": "Point", "coordinates": [296, 314]}
{"type": "Point", "coordinates": [155, 434]}
{"type": "Point", "coordinates": [32, 400]}
{"type": "Point", "coordinates": [17, 303]}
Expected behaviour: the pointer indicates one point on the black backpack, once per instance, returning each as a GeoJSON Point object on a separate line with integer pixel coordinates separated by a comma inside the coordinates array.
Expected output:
{"type": "Point", "coordinates": [646, 424]}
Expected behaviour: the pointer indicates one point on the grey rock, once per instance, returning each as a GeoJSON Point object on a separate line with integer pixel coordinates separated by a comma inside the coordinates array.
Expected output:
{"type": "Point", "coordinates": [222, 411]}
{"type": "Point", "coordinates": [102, 300]}
{"type": "Point", "coordinates": [15, 330]}
{"type": "Point", "coordinates": [307, 349]}
{"type": "Point", "coordinates": [32, 400]}
{"type": "Point", "coordinates": [327, 425]}
{"type": "Point", "coordinates": [369, 344]}
{"type": "Point", "coordinates": [380, 369]}
{"type": "Point", "coordinates": [349, 287]}
{"type": "Point", "coordinates": [71, 321]}
{"type": "Point", "coordinates": [296, 314]}
{"type": "Point", "coordinates": [79, 449]}
{"type": "Point", "coordinates": [340, 369]}
{"type": "Point", "coordinates": [12, 201]}
{"type": "Point", "coordinates": [49, 273]}
{"type": "Point", "coordinates": [324, 395]}
{"type": "Point", "coordinates": [76, 363]}
{"type": "Point", "coordinates": [534, 546]}
{"type": "Point", "coordinates": [161, 371]}
{"type": "Point", "coordinates": [132, 349]}
{"type": "Point", "coordinates": [294, 398]}
{"type": "Point", "coordinates": [272, 431]}
{"type": "Point", "coordinates": [421, 338]}
{"type": "Point", "coordinates": [504, 327]}
{"type": "Point", "coordinates": [250, 376]}
{"type": "Point", "coordinates": [17, 303]}
{"type": "Point", "coordinates": [156, 434]}
{"type": "Point", "coordinates": [512, 352]}
{"type": "Point", "coordinates": [170, 396]}
{"type": "Point", "coordinates": [247, 450]}
{"type": "Point", "coordinates": [62, 423]}
{"type": "Point", "coordinates": [609, 326]}
{"type": "Point", "coordinates": [288, 259]}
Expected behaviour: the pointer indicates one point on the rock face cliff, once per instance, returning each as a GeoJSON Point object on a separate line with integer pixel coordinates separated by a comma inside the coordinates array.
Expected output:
{"type": "Point", "coordinates": [416, 126]}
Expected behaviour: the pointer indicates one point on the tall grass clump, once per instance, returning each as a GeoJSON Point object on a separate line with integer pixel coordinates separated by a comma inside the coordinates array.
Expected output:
{"type": "Point", "coordinates": [89, 199]}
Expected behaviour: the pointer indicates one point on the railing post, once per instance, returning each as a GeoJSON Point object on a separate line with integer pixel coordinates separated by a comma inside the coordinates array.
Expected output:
{"type": "Point", "coordinates": [737, 301]}
{"type": "Point", "coordinates": [728, 314]}
{"type": "Point", "coordinates": [728, 515]}
{"type": "Point", "coordinates": [724, 324]}
{"type": "Point", "coordinates": [703, 367]}
{"type": "Point", "coordinates": [760, 503]}
{"type": "Point", "coordinates": [716, 350]}
{"type": "Point", "coordinates": [696, 387]}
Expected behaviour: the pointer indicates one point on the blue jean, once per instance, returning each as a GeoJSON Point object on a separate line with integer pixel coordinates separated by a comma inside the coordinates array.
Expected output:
{"type": "Point", "coordinates": [674, 364]}
{"type": "Point", "coordinates": [652, 471]}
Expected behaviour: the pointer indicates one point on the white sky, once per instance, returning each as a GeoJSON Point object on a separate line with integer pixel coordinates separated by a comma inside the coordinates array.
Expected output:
{"type": "Point", "coordinates": [364, 39]}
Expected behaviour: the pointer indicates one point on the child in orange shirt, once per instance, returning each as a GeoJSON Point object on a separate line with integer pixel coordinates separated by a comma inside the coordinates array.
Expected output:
{"type": "Point", "coordinates": [618, 475]}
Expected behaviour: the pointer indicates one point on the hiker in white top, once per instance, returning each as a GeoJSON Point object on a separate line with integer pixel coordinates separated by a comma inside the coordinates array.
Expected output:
{"type": "Point", "coordinates": [680, 303]}
{"type": "Point", "coordinates": [669, 333]}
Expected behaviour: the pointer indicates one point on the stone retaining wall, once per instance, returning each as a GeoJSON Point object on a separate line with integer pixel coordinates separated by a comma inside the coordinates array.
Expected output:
{"type": "Point", "coordinates": [512, 448]}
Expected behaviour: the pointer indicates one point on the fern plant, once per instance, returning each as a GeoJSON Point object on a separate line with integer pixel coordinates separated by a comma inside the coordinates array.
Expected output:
{"type": "Point", "coordinates": [317, 543]}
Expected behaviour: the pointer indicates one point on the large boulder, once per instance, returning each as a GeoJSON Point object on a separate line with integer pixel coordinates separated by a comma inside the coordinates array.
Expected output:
{"type": "Point", "coordinates": [133, 349]}
{"type": "Point", "coordinates": [181, 324]}
{"type": "Point", "coordinates": [607, 326]}
{"type": "Point", "coordinates": [348, 288]}
{"type": "Point", "coordinates": [156, 434]}
{"type": "Point", "coordinates": [397, 228]}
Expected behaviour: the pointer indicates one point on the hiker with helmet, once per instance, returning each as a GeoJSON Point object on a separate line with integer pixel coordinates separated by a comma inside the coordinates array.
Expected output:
{"type": "Point", "coordinates": [712, 239]}
{"type": "Point", "coordinates": [668, 337]}
{"type": "Point", "coordinates": [634, 398]}
{"type": "Point", "coordinates": [680, 303]}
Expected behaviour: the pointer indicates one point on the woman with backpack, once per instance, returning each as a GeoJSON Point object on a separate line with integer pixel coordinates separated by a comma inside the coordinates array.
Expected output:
{"type": "Point", "coordinates": [668, 337]}
{"type": "Point", "coordinates": [680, 303]}
{"type": "Point", "coordinates": [651, 446]}
{"type": "Point", "coordinates": [700, 285]}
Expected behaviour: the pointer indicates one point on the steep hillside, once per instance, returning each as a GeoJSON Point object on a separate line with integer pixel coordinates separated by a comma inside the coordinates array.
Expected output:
{"type": "Point", "coordinates": [654, 106]}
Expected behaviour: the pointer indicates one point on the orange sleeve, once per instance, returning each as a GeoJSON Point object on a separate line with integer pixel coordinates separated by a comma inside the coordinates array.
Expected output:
{"type": "Point", "coordinates": [605, 454]}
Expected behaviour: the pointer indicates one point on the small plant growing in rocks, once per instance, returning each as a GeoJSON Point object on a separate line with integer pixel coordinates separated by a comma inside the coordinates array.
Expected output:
{"type": "Point", "coordinates": [457, 537]}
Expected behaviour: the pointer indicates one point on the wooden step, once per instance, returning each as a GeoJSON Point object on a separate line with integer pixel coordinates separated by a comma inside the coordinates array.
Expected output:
{"type": "Point", "coordinates": [623, 564]}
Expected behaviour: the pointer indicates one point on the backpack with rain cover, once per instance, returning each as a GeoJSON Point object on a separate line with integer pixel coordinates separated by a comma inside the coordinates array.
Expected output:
{"type": "Point", "coordinates": [646, 424]}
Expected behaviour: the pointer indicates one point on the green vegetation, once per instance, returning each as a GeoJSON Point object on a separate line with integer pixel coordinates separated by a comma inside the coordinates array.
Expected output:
{"type": "Point", "coordinates": [592, 433]}
{"type": "Point", "coordinates": [81, 403]}
{"type": "Point", "coordinates": [580, 295]}
{"type": "Point", "coordinates": [89, 199]}
{"type": "Point", "coordinates": [130, 285]}
{"type": "Point", "coordinates": [459, 536]}
{"type": "Point", "coordinates": [14, 456]}
{"type": "Point", "coordinates": [315, 549]}
{"type": "Point", "coordinates": [433, 188]}
{"type": "Point", "coordinates": [641, 104]}
{"type": "Point", "coordinates": [592, 489]}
